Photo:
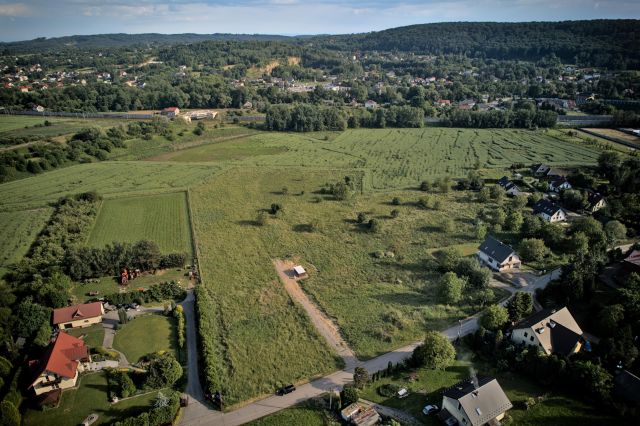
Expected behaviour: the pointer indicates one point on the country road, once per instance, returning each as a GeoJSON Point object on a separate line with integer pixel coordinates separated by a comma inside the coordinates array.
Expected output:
{"type": "Point", "coordinates": [199, 413]}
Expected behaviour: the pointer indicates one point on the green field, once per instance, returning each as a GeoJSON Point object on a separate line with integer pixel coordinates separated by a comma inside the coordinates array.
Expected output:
{"type": "Point", "coordinates": [108, 178]}
{"type": "Point", "coordinates": [90, 397]}
{"type": "Point", "coordinates": [18, 229]}
{"type": "Point", "coordinates": [160, 218]}
{"type": "Point", "coordinates": [25, 125]}
{"type": "Point", "coordinates": [144, 335]}
{"type": "Point", "coordinates": [93, 336]}
{"type": "Point", "coordinates": [400, 158]}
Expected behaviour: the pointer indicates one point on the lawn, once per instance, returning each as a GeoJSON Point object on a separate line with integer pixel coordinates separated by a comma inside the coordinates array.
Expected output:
{"type": "Point", "coordinates": [90, 397]}
{"type": "Point", "coordinates": [93, 336]}
{"type": "Point", "coordinates": [379, 304]}
{"type": "Point", "coordinates": [18, 230]}
{"type": "Point", "coordinates": [109, 285]}
{"type": "Point", "coordinates": [110, 178]}
{"type": "Point", "coordinates": [24, 125]}
{"type": "Point", "coordinates": [309, 413]}
{"type": "Point", "coordinates": [160, 218]}
{"type": "Point", "coordinates": [555, 409]}
{"type": "Point", "coordinates": [144, 335]}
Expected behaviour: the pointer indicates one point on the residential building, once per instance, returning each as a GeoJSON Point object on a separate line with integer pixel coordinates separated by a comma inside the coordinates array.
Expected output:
{"type": "Point", "coordinates": [509, 187]}
{"type": "Point", "coordinates": [360, 415]}
{"type": "Point", "coordinates": [497, 255]}
{"type": "Point", "coordinates": [596, 201]}
{"type": "Point", "coordinates": [632, 262]}
{"type": "Point", "coordinates": [171, 112]}
{"type": "Point", "coordinates": [549, 211]}
{"type": "Point", "coordinates": [540, 169]}
{"type": "Point", "coordinates": [553, 331]}
{"type": "Point", "coordinates": [60, 365]}
{"type": "Point", "coordinates": [370, 104]}
{"type": "Point", "coordinates": [559, 183]}
{"type": "Point", "coordinates": [474, 402]}
{"type": "Point", "coordinates": [77, 316]}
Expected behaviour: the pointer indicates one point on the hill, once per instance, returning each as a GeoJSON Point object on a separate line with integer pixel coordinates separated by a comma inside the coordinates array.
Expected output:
{"type": "Point", "coordinates": [610, 43]}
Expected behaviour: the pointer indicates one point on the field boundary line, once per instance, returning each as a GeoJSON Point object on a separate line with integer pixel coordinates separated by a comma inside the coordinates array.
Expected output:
{"type": "Point", "coordinates": [87, 237]}
{"type": "Point", "coordinates": [194, 238]}
{"type": "Point", "coordinates": [610, 139]}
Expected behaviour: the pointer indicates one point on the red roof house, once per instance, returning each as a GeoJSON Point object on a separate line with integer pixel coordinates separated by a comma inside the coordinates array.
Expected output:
{"type": "Point", "coordinates": [78, 315]}
{"type": "Point", "coordinates": [58, 368]}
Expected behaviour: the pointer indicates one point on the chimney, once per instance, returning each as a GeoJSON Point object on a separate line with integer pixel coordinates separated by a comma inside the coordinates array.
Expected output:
{"type": "Point", "coordinates": [474, 377]}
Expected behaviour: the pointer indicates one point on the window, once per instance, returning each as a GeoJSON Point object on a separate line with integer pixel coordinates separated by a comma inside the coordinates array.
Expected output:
{"type": "Point", "coordinates": [531, 338]}
{"type": "Point", "coordinates": [459, 406]}
{"type": "Point", "coordinates": [526, 334]}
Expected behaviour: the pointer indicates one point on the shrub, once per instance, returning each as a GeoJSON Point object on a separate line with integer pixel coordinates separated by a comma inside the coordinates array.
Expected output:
{"type": "Point", "coordinates": [395, 213]}
{"type": "Point", "coordinates": [450, 287]}
{"type": "Point", "coordinates": [494, 317]}
{"type": "Point", "coordinates": [532, 249]}
{"type": "Point", "coordinates": [362, 217]}
{"type": "Point", "coordinates": [389, 390]}
{"type": "Point", "coordinates": [396, 201]}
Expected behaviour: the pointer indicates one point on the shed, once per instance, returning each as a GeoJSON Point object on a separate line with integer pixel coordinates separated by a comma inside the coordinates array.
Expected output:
{"type": "Point", "coordinates": [299, 271]}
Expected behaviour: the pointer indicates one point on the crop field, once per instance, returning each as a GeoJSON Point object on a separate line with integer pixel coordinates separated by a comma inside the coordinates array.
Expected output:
{"type": "Point", "coordinates": [617, 134]}
{"type": "Point", "coordinates": [25, 125]}
{"type": "Point", "coordinates": [400, 158]}
{"type": "Point", "coordinates": [160, 218]}
{"type": "Point", "coordinates": [108, 178]}
{"type": "Point", "coordinates": [18, 229]}
{"type": "Point", "coordinates": [379, 304]}
{"type": "Point", "coordinates": [160, 148]}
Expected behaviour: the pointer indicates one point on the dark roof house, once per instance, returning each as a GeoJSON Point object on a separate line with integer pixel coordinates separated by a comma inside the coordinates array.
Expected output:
{"type": "Point", "coordinates": [496, 249]}
{"type": "Point", "coordinates": [552, 330]}
{"type": "Point", "coordinates": [475, 401]}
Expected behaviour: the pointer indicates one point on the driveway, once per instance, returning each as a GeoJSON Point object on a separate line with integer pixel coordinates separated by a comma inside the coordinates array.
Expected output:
{"type": "Point", "coordinates": [325, 326]}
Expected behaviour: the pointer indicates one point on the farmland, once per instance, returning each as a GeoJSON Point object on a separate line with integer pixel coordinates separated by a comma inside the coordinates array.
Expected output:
{"type": "Point", "coordinates": [160, 218]}
{"type": "Point", "coordinates": [378, 304]}
{"type": "Point", "coordinates": [17, 232]}
{"type": "Point", "coordinates": [109, 178]}
{"type": "Point", "coordinates": [24, 125]}
{"type": "Point", "coordinates": [400, 158]}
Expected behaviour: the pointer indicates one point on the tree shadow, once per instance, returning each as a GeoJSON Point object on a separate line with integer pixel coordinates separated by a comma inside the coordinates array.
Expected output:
{"type": "Point", "coordinates": [302, 227]}
{"type": "Point", "coordinates": [248, 223]}
{"type": "Point", "coordinates": [430, 228]}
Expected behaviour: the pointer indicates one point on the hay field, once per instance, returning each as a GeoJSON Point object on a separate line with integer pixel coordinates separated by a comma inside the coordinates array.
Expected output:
{"type": "Point", "coordinates": [160, 218]}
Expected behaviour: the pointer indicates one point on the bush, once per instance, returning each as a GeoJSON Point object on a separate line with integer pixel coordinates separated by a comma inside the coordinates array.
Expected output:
{"type": "Point", "coordinates": [389, 390]}
{"type": "Point", "coordinates": [396, 201]}
{"type": "Point", "coordinates": [450, 287]}
{"type": "Point", "coordinates": [163, 371]}
{"type": "Point", "coordinates": [532, 249]}
{"type": "Point", "coordinates": [349, 395]}
{"type": "Point", "coordinates": [494, 317]}
{"type": "Point", "coordinates": [436, 352]}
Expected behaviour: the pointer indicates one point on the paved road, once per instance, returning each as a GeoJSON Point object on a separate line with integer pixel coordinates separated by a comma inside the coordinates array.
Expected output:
{"type": "Point", "coordinates": [198, 413]}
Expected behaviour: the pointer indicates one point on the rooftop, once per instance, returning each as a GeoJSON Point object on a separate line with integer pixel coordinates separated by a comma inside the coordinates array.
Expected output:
{"type": "Point", "coordinates": [481, 398]}
{"type": "Point", "coordinates": [496, 249]}
{"type": "Point", "coordinates": [77, 312]}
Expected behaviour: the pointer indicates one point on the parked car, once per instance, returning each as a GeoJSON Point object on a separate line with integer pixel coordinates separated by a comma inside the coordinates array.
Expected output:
{"type": "Point", "coordinates": [430, 409]}
{"type": "Point", "coordinates": [285, 390]}
{"type": "Point", "coordinates": [403, 393]}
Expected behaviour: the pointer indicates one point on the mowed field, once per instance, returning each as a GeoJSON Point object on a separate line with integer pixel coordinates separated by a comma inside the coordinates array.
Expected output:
{"type": "Point", "coordinates": [160, 218]}
{"type": "Point", "coordinates": [108, 178]}
{"type": "Point", "coordinates": [18, 229]}
{"type": "Point", "coordinates": [25, 125]}
{"type": "Point", "coordinates": [378, 304]}
{"type": "Point", "coordinates": [399, 158]}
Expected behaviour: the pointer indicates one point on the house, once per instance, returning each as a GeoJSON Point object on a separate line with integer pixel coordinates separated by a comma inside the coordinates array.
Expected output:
{"type": "Point", "coordinates": [632, 262]}
{"type": "Point", "coordinates": [474, 402]}
{"type": "Point", "coordinates": [77, 316]}
{"type": "Point", "coordinates": [596, 202]}
{"type": "Point", "coordinates": [444, 103]}
{"type": "Point", "coordinates": [558, 184]}
{"type": "Point", "coordinates": [498, 256]}
{"type": "Point", "coordinates": [171, 112]}
{"type": "Point", "coordinates": [553, 331]}
{"type": "Point", "coordinates": [370, 104]}
{"type": "Point", "coordinates": [299, 272]}
{"type": "Point", "coordinates": [549, 211]}
{"type": "Point", "coordinates": [60, 365]}
{"type": "Point", "coordinates": [360, 415]}
{"type": "Point", "coordinates": [509, 187]}
{"type": "Point", "coordinates": [540, 169]}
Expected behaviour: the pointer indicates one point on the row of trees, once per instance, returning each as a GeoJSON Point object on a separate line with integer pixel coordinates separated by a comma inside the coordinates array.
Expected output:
{"type": "Point", "coordinates": [90, 262]}
{"type": "Point", "coordinates": [519, 118]}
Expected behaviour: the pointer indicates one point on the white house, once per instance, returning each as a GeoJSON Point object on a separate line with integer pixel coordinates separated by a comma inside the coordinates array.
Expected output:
{"type": "Point", "coordinates": [596, 201]}
{"type": "Point", "coordinates": [559, 183]}
{"type": "Point", "coordinates": [474, 402]}
{"type": "Point", "coordinates": [509, 187]}
{"type": "Point", "coordinates": [498, 256]}
{"type": "Point", "coordinates": [553, 331]}
{"type": "Point", "coordinates": [371, 104]}
{"type": "Point", "coordinates": [549, 211]}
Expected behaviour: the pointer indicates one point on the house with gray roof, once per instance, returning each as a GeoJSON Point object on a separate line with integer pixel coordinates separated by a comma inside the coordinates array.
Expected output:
{"type": "Point", "coordinates": [553, 331]}
{"type": "Point", "coordinates": [474, 402]}
{"type": "Point", "coordinates": [549, 211]}
{"type": "Point", "coordinates": [509, 187]}
{"type": "Point", "coordinates": [497, 255]}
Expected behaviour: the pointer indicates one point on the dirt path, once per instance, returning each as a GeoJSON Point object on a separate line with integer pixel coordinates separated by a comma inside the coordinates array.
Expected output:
{"type": "Point", "coordinates": [327, 328]}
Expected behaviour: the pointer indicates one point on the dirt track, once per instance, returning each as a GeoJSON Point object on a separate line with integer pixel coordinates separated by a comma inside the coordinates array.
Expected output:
{"type": "Point", "coordinates": [323, 324]}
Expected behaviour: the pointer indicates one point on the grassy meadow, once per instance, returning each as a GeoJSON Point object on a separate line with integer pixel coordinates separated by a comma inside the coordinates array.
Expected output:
{"type": "Point", "coordinates": [18, 229]}
{"type": "Point", "coordinates": [113, 179]}
{"type": "Point", "coordinates": [161, 218]}
{"type": "Point", "coordinates": [27, 125]}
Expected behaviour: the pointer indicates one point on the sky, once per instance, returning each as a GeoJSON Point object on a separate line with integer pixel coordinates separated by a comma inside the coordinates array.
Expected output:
{"type": "Point", "coordinates": [24, 20]}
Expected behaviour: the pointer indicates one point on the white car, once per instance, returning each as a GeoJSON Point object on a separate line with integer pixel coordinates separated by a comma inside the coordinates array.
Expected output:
{"type": "Point", "coordinates": [429, 409]}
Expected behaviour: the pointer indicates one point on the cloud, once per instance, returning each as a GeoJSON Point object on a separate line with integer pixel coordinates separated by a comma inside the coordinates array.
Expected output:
{"type": "Point", "coordinates": [14, 10]}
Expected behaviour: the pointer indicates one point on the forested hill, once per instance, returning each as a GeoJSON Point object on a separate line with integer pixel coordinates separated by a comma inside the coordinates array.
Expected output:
{"type": "Point", "coordinates": [611, 43]}
{"type": "Point", "coordinates": [97, 41]}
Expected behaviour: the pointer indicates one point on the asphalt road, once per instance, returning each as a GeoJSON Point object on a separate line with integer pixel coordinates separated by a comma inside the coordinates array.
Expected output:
{"type": "Point", "coordinates": [199, 413]}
